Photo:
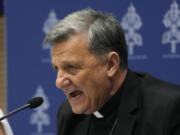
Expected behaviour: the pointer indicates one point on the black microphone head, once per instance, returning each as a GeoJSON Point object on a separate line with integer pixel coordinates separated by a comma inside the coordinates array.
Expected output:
{"type": "Point", "coordinates": [35, 102]}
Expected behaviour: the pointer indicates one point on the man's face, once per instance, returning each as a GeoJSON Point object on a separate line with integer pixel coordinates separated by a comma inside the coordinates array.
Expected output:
{"type": "Point", "coordinates": [81, 75]}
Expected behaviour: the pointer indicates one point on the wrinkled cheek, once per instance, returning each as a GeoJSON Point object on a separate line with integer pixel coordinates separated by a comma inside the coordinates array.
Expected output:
{"type": "Point", "coordinates": [92, 94]}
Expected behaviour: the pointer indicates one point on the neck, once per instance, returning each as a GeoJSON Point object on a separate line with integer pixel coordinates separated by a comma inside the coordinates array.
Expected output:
{"type": "Point", "coordinates": [118, 80]}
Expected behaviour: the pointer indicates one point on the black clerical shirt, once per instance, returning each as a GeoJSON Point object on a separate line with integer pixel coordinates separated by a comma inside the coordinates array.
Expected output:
{"type": "Point", "coordinates": [105, 125]}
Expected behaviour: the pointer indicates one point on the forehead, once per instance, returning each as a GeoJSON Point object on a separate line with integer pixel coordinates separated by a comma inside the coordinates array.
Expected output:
{"type": "Point", "coordinates": [73, 49]}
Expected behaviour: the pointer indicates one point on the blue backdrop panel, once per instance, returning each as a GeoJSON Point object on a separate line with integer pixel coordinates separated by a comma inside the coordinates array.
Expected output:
{"type": "Point", "coordinates": [152, 29]}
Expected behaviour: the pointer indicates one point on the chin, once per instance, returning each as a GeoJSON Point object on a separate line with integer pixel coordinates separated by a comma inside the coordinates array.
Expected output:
{"type": "Point", "coordinates": [77, 110]}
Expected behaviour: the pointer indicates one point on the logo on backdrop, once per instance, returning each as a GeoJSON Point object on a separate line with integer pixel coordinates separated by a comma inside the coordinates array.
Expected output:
{"type": "Point", "coordinates": [40, 117]}
{"type": "Point", "coordinates": [50, 22]}
{"type": "Point", "coordinates": [131, 22]}
{"type": "Point", "coordinates": [171, 37]}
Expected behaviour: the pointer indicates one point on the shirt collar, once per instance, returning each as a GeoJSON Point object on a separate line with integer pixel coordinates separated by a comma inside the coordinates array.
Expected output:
{"type": "Point", "coordinates": [97, 114]}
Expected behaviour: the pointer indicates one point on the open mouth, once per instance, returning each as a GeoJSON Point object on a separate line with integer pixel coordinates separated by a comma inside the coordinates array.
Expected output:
{"type": "Point", "coordinates": [75, 93]}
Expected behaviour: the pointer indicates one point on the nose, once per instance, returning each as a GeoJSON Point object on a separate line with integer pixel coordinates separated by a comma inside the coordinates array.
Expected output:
{"type": "Point", "coordinates": [62, 82]}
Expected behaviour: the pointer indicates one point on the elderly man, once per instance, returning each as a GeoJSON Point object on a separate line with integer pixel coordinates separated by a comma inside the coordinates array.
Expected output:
{"type": "Point", "coordinates": [104, 97]}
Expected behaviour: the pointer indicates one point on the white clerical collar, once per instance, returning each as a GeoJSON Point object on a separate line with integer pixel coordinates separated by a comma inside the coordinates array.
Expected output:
{"type": "Point", "coordinates": [97, 114]}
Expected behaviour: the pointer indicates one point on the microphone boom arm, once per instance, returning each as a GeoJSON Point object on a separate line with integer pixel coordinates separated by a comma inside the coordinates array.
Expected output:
{"type": "Point", "coordinates": [33, 103]}
{"type": "Point", "coordinates": [17, 110]}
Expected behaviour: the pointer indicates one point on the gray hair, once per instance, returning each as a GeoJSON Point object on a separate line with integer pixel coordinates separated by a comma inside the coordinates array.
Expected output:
{"type": "Point", "coordinates": [103, 31]}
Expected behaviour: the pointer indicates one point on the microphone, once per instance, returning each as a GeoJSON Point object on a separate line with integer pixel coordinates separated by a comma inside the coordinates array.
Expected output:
{"type": "Point", "coordinates": [32, 103]}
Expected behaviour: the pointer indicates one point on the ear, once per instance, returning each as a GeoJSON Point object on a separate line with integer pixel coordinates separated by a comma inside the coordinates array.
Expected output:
{"type": "Point", "coordinates": [113, 61]}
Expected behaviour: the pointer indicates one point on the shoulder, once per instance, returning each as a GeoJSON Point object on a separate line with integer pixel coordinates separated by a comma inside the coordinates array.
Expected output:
{"type": "Point", "coordinates": [152, 85]}
{"type": "Point", "coordinates": [159, 103]}
{"type": "Point", "coordinates": [155, 93]}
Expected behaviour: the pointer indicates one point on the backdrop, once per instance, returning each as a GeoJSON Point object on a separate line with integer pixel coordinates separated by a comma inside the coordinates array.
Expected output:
{"type": "Point", "coordinates": [153, 36]}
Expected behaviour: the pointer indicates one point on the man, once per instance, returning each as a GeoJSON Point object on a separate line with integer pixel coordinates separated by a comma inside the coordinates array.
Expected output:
{"type": "Point", "coordinates": [104, 97]}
